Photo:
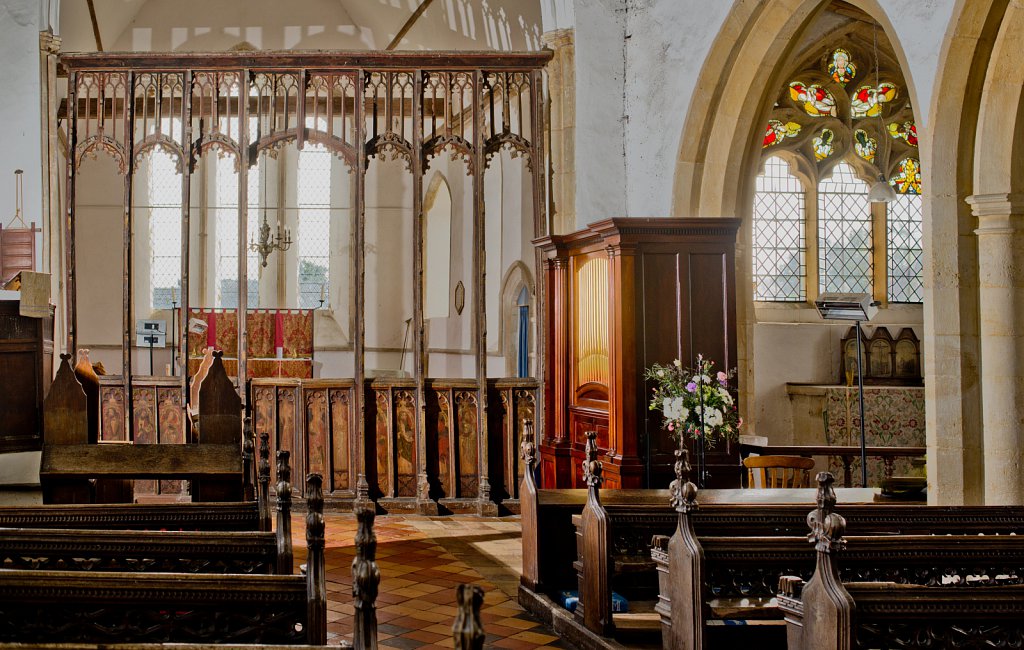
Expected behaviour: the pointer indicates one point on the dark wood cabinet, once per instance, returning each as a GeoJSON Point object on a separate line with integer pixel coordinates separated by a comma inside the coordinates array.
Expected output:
{"type": "Point", "coordinates": [623, 294]}
{"type": "Point", "coordinates": [26, 368]}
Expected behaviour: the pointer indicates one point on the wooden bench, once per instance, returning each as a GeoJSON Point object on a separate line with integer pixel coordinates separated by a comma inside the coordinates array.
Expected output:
{"type": "Point", "coordinates": [826, 613]}
{"type": "Point", "coordinates": [73, 469]}
{"type": "Point", "coordinates": [100, 607]}
{"type": "Point", "coordinates": [706, 579]}
{"type": "Point", "coordinates": [230, 516]}
{"type": "Point", "coordinates": [243, 552]}
{"type": "Point", "coordinates": [635, 516]}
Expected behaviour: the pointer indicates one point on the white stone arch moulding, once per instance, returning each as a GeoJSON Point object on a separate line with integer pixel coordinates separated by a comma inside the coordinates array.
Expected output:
{"type": "Point", "coordinates": [516, 278]}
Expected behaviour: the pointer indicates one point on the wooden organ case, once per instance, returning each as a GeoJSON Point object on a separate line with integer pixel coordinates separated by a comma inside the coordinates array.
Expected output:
{"type": "Point", "coordinates": [624, 294]}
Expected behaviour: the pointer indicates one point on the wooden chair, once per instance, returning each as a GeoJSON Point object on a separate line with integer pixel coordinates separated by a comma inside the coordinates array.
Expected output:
{"type": "Point", "coordinates": [779, 471]}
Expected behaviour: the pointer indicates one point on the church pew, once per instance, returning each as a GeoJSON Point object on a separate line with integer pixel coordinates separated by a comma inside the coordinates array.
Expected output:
{"type": "Point", "coordinates": [229, 516]}
{"type": "Point", "coordinates": [73, 468]}
{"type": "Point", "coordinates": [707, 579]}
{"type": "Point", "coordinates": [243, 552]}
{"type": "Point", "coordinates": [634, 516]}
{"type": "Point", "coordinates": [826, 613]}
{"type": "Point", "coordinates": [100, 607]}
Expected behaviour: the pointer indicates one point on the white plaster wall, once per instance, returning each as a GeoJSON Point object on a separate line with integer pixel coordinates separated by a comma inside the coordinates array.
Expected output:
{"type": "Point", "coordinates": [627, 150]}
{"type": "Point", "coordinates": [200, 25]}
{"type": "Point", "coordinates": [19, 111]}
{"type": "Point", "coordinates": [601, 177]}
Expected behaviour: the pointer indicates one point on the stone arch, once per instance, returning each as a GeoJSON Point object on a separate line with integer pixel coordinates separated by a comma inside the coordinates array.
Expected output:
{"type": "Point", "coordinates": [720, 153]}
{"type": "Point", "coordinates": [516, 278]}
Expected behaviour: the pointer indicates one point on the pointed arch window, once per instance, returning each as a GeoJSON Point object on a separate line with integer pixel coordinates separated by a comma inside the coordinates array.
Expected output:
{"type": "Point", "coordinates": [844, 115]}
{"type": "Point", "coordinates": [163, 195]}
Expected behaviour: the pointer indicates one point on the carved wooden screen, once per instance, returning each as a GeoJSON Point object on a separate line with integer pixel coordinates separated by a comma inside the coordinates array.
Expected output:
{"type": "Point", "coordinates": [410, 107]}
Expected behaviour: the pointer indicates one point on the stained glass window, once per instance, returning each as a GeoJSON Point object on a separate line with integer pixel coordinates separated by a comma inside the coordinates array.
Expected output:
{"type": "Point", "coordinates": [907, 179]}
{"type": "Point", "coordinates": [815, 100]}
{"type": "Point", "coordinates": [903, 235]}
{"type": "Point", "coordinates": [776, 132]}
{"type": "Point", "coordinates": [868, 100]}
{"type": "Point", "coordinates": [822, 144]}
{"type": "Point", "coordinates": [314, 202]}
{"type": "Point", "coordinates": [841, 67]}
{"type": "Point", "coordinates": [226, 219]}
{"type": "Point", "coordinates": [844, 232]}
{"type": "Point", "coordinates": [907, 131]}
{"type": "Point", "coordinates": [864, 145]}
{"type": "Point", "coordinates": [780, 246]}
{"type": "Point", "coordinates": [164, 199]}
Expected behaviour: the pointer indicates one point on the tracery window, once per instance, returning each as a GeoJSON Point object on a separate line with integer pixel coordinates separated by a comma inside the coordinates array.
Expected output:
{"type": "Point", "coordinates": [840, 122]}
{"type": "Point", "coordinates": [313, 189]}
{"type": "Point", "coordinates": [225, 211]}
{"type": "Point", "coordinates": [164, 202]}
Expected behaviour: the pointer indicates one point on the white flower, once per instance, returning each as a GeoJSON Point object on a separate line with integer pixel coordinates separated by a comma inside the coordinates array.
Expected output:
{"type": "Point", "coordinates": [661, 373]}
{"type": "Point", "coordinates": [701, 379]}
{"type": "Point", "coordinates": [726, 397]}
{"type": "Point", "coordinates": [713, 417]}
{"type": "Point", "coordinates": [678, 363]}
{"type": "Point", "coordinates": [673, 408]}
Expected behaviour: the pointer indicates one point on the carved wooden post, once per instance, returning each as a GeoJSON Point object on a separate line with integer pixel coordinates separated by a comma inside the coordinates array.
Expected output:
{"type": "Point", "coordinates": [316, 579]}
{"type": "Point", "coordinates": [685, 629]}
{"type": "Point", "coordinates": [248, 458]}
{"type": "Point", "coordinates": [595, 592]}
{"type": "Point", "coordinates": [284, 514]}
{"type": "Point", "coordinates": [828, 609]}
{"type": "Point", "coordinates": [468, 631]}
{"type": "Point", "coordinates": [263, 498]}
{"type": "Point", "coordinates": [528, 507]}
{"type": "Point", "coordinates": [365, 580]}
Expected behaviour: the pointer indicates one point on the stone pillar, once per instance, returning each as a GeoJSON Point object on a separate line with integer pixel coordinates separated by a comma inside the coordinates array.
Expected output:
{"type": "Point", "coordinates": [561, 86]}
{"type": "Point", "coordinates": [1001, 304]}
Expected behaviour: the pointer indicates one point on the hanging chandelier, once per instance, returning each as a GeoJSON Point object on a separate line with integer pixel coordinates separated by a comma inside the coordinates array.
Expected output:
{"type": "Point", "coordinates": [265, 244]}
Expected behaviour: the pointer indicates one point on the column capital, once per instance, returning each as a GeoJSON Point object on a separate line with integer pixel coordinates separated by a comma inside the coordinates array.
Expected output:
{"type": "Point", "coordinates": [1000, 204]}
{"type": "Point", "coordinates": [49, 42]}
{"type": "Point", "coordinates": [557, 39]}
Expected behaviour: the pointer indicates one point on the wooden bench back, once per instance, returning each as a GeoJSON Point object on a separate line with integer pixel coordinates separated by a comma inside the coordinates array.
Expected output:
{"type": "Point", "coordinates": [778, 471]}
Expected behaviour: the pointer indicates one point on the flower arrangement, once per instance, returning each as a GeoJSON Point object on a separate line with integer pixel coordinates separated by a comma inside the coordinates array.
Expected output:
{"type": "Point", "coordinates": [695, 402]}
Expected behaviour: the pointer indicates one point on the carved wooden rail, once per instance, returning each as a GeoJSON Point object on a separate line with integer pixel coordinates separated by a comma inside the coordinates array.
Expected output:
{"type": "Point", "coordinates": [846, 453]}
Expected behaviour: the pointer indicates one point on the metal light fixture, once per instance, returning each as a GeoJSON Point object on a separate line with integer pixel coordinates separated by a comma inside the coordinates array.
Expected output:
{"type": "Point", "coordinates": [880, 191]}
{"type": "Point", "coordinates": [266, 245]}
{"type": "Point", "coordinates": [857, 307]}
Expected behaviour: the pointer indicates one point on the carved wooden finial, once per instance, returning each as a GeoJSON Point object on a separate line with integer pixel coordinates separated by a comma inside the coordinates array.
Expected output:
{"type": "Point", "coordinates": [263, 482]}
{"type": "Point", "coordinates": [683, 491]}
{"type": "Point", "coordinates": [592, 467]}
{"type": "Point", "coordinates": [314, 510]}
{"type": "Point", "coordinates": [284, 518]}
{"type": "Point", "coordinates": [248, 460]}
{"type": "Point", "coordinates": [218, 354]}
{"type": "Point", "coordinates": [316, 580]}
{"type": "Point", "coordinates": [527, 448]}
{"type": "Point", "coordinates": [365, 581]}
{"type": "Point", "coordinates": [468, 631]}
{"type": "Point", "coordinates": [827, 526]}
{"type": "Point", "coordinates": [264, 458]}
{"type": "Point", "coordinates": [65, 357]}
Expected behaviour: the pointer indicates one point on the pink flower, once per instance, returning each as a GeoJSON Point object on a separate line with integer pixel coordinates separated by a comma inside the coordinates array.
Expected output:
{"type": "Point", "coordinates": [671, 427]}
{"type": "Point", "coordinates": [722, 377]}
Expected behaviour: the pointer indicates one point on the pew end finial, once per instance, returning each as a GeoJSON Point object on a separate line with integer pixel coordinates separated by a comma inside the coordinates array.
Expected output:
{"type": "Point", "coordinates": [316, 579]}
{"type": "Point", "coordinates": [365, 581]}
{"type": "Point", "coordinates": [263, 482]}
{"type": "Point", "coordinates": [592, 467]}
{"type": "Point", "coordinates": [284, 513]}
{"type": "Point", "coordinates": [468, 631]}
{"type": "Point", "coordinates": [683, 492]}
{"type": "Point", "coordinates": [827, 526]}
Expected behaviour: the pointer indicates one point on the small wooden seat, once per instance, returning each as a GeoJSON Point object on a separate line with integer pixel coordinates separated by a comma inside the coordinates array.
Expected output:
{"type": "Point", "coordinates": [779, 471]}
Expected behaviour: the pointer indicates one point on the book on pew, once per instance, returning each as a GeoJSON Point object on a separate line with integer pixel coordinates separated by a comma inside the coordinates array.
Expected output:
{"type": "Point", "coordinates": [571, 598]}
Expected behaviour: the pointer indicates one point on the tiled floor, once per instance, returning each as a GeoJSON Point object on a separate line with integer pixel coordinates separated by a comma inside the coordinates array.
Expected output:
{"type": "Point", "coordinates": [421, 560]}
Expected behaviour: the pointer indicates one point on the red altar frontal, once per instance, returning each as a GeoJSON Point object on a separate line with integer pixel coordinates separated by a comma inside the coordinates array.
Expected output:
{"type": "Point", "coordinates": [279, 341]}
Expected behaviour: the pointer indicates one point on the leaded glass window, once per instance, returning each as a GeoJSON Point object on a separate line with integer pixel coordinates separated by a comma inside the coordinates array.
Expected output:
{"type": "Point", "coordinates": [903, 234]}
{"type": "Point", "coordinates": [844, 232]}
{"type": "Point", "coordinates": [225, 212]}
{"type": "Point", "coordinates": [314, 202]}
{"type": "Point", "coordinates": [164, 200]}
{"type": "Point", "coordinates": [842, 114]}
{"type": "Point", "coordinates": [780, 248]}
